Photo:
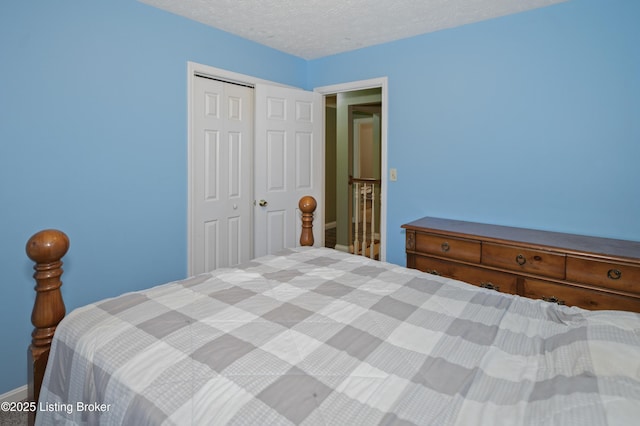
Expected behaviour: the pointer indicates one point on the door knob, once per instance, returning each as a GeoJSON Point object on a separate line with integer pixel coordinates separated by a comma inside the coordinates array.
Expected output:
{"type": "Point", "coordinates": [263, 203]}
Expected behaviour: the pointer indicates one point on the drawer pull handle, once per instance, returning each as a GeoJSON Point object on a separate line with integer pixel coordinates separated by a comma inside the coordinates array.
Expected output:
{"type": "Point", "coordinates": [614, 274]}
{"type": "Point", "coordinates": [553, 299]}
{"type": "Point", "coordinates": [521, 260]}
{"type": "Point", "coordinates": [433, 272]}
{"type": "Point", "coordinates": [490, 286]}
{"type": "Point", "coordinates": [445, 247]}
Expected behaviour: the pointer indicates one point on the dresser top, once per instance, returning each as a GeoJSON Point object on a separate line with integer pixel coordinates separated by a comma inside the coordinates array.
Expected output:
{"type": "Point", "coordinates": [579, 244]}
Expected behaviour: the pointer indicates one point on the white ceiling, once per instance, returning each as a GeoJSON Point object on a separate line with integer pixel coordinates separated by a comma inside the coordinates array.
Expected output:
{"type": "Point", "coordinates": [312, 29]}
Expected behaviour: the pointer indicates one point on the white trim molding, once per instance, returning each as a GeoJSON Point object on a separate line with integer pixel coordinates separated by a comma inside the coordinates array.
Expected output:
{"type": "Point", "coordinates": [15, 395]}
{"type": "Point", "coordinates": [383, 84]}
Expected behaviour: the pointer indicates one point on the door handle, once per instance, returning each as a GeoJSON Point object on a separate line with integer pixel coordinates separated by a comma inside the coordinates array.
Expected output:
{"type": "Point", "coordinates": [263, 203]}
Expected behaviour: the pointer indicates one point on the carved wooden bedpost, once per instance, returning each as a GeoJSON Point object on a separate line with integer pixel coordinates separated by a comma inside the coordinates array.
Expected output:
{"type": "Point", "coordinates": [307, 205]}
{"type": "Point", "coordinates": [45, 248]}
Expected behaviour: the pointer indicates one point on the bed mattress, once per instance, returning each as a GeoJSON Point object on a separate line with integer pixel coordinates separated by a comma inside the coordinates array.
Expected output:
{"type": "Point", "coordinates": [313, 336]}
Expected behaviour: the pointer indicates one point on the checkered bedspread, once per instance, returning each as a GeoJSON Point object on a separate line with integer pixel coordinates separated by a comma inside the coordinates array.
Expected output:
{"type": "Point", "coordinates": [319, 337]}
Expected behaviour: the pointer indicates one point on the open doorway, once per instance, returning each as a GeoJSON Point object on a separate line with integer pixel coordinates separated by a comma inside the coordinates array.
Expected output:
{"type": "Point", "coordinates": [364, 178]}
{"type": "Point", "coordinates": [354, 158]}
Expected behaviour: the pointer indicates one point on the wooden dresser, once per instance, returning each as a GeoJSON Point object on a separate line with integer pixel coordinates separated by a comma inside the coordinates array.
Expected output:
{"type": "Point", "coordinates": [590, 272]}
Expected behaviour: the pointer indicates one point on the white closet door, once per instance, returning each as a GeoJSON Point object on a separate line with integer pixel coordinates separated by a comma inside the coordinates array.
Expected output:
{"type": "Point", "coordinates": [289, 164]}
{"type": "Point", "coordinates": [222, 159]}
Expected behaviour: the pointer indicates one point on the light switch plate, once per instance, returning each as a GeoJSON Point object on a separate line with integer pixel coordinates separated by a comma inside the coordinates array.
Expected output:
{"type": "Point", "coordinates": [393, 175]}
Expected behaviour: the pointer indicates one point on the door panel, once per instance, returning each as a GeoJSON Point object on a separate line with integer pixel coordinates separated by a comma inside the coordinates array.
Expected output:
{"type": "Point", "coordinates": [289, 164]}
{"type": "Point", "coordinates": [222, 178]}
{"type": "Point", "coordinates": [276, 159]}
{"type": "Point", "coordinates": [211, 249]}
{"type": "Point", "coordinates": [304, 161]}
{"type": "Point", "coordinates": [276, 230]}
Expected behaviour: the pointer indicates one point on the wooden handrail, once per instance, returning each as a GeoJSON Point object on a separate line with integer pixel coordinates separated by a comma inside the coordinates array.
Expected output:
{"type": "Point", "coordinates": [364, 180]}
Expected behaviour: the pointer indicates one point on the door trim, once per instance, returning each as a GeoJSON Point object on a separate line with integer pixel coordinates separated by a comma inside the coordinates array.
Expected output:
{"type": "Point", "coordinates": [382, 83]}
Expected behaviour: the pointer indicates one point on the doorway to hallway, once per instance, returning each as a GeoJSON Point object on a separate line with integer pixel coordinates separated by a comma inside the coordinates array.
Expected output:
{"type": "Point", "coordinates": [355, 160]}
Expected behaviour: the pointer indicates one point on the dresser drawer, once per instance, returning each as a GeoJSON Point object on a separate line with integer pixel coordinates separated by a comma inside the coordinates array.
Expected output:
{"type": "Point", "coordinates": [575, 296]}
{"type": "Point", "coordinates": [525, 260]}
{"type": "Point", "coordinates": [454, 248]}
{"type": "Point", "coordinates": [612, 275]}
{"type": "Point", "coordinates": [499, 281]}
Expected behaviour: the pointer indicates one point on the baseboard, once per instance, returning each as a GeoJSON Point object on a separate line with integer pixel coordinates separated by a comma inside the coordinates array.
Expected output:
{"type": "Point", "coordinates": [342, 248]}
{"type": "Point", "coordinates": [15, 395]}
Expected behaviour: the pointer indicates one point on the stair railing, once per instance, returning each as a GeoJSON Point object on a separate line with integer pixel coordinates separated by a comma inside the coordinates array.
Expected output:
{"type": "Point", "coordinates": [365, 200]}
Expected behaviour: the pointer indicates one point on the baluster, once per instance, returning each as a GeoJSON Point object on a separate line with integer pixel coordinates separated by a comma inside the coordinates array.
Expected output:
{"type": "Point", "coordinates": [373, 220]}
{"type": "Point", "coordinates": [356, 194]}
{"type": "Point", "coordinates": [364, 219]}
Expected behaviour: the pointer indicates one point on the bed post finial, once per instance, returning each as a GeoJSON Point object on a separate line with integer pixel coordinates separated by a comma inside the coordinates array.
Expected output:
{"type": "Point", "coordinates": [307, 205]}
{"type": "Point", "coordinates": [45, 248]}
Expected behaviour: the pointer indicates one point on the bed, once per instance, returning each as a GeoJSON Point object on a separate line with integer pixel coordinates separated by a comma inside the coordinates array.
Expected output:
{"type": "Point", "coordinates": [315, 336]}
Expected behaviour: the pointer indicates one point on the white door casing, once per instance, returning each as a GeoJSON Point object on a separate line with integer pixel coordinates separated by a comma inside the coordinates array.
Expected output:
{"type": "Point", "coordinates": [289, 164]}
{"type": "Point", "coordinates": [382, 83]}
{"type": "Point", "coordinates": [221, 176]}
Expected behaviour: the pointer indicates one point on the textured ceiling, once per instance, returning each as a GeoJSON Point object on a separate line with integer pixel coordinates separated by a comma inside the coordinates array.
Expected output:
{"type": "Point", "coordinates": [312, 29]}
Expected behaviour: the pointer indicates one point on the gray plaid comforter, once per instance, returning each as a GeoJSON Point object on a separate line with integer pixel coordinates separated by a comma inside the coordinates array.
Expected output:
{"type": "Point", "coordinates": [318, 337]}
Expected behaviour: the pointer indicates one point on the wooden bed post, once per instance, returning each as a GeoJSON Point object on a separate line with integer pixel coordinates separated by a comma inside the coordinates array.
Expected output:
{"type": "Point", "coordinates": [307, 205]}
{"type": "Point", "coordinates": [45, 248]}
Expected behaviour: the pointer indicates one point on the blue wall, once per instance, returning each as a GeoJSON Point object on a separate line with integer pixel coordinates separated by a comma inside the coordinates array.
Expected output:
{"type": "Point", "coordinates": [527, 120]}
{"type": "Point", "coordinates": [93, 141]}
